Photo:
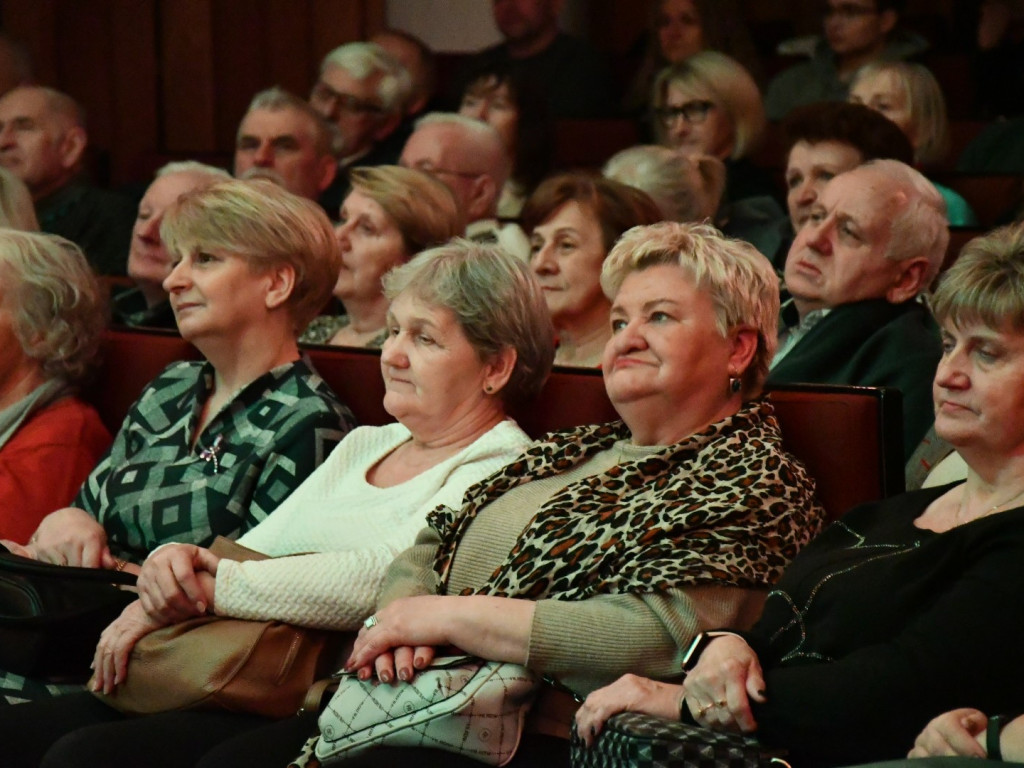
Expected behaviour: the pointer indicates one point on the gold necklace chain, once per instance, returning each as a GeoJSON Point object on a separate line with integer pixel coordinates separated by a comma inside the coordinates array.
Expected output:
{"type": "Point", "coordinates": [963, 502]}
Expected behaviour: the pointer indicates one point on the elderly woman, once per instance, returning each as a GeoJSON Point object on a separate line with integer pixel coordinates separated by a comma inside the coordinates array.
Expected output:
{"type": "Point", "coordinates": [147, 303]}
{"type": "Point", "coordinates": [910, 96]}
{"type": "Point", "coordinates": [51, 316]}
{"type": "Point", "coordinates": [903, 609]}
{"type": "Point", "coordinates": [573, 220]}
{"type": "Point", "coordinates": [709, 104]}
{"type": "Point", "coordinates": [212, 448]}
{"type": "Point", "coordinates": [468, 333]}
{"type": "Point", "coordinates": [518, 111]}
{"type": "Point", "coordinates": [390, 215]}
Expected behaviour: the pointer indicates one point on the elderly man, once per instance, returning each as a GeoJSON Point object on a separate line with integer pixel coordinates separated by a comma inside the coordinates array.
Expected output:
{"type": "Point", "coordinates": [363, 90]}
{"type": "Point", "coordinates": [284, 139]}
{"type": "Point", "coordinates": [469, 157]}
{"type": "Point", "coordinates": [856, 32]}
{"type": "Point", "coordinates": [42, 142]}
{"type": "Point", "coordinates": [875, 239]}
{"type": "Point", "coordinates": [567, 69]}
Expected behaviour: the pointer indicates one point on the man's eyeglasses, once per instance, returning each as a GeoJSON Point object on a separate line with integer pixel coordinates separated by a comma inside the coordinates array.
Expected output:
{"type": "Point", "coordinates": [325, 96]}
{"type": "Point", "coordinates": [693, 112]}
{"type": "Point", "coordinates": [848, 11]}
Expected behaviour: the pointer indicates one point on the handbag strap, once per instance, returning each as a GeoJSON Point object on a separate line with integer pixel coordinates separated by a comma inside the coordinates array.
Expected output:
{"type": "Point", "coordinates": [17, 564]}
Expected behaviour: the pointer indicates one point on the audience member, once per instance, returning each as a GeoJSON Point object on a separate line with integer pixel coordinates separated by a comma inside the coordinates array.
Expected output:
{"type": "Point", "coordinates": [363, 506]}
{"type": "Point", "coordinates": [518, 111]}
{"type": "Point", "coordinates": [418, 60]}
{"type": "Point", "coordinates": [710, 105]}
{"type": "Point", "coordinates": [824, 140]}
{"type": "Point", "coordinates": [910, 96]}
{"type": "Point", "coordinates": [390, 215]}
{"type": "Point", "coordinates": [363, 90]}
{"type": "Point", "coordinates": [999, 60]}
{"type": "Point", "coordinates": [573, 221]}
{"type": "Point", "coordinates": [42, 142]}
{"type": "Point", "coordinates": [686, 188]}
{"type": "Point", "coordinates": [16, 209]}
{"type": "Point", "coordinates": [282, 138]}
{"type": "Point", "coordinates": [146, 303]}
{"type": "Point", "coordinates": [566, 69]}
{"type": "Point", "coordinates": [469, 157]}
{"type": "Point", "coordinates": [856, 32]}
{"type": "Point", "coordinates": [227, 439]}
{"type": "Point", "coordinates": [875, 239]}
{"type": "Point", "coordinates": [681, 28]}
{"type": "Point", "coordinates": [51, 316]}
{"type": "Point", "coordinates": [898, 611]}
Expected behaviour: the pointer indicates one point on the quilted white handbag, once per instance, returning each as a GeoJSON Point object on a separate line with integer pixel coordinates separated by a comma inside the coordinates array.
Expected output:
{"type": "Point", "coordinates": [460, 704]}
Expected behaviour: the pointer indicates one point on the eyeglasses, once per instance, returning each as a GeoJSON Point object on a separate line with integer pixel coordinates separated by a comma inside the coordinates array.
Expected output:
{"type": "Point", "coordinates": [325, 96]}
{"type": "Point", "coordinates": [693, 112]}
{"type": "Point", "coordinates": [848, 12]}
{"type": "Point", "coordinates": [433, 170]}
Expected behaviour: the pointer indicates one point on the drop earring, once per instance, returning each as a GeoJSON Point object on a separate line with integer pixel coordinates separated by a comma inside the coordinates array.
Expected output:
{"type": "Point", "coordinates": [734, 384]}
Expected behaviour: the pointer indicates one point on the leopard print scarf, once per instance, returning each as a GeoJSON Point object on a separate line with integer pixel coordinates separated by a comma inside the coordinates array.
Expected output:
{"type": "Point", "coordinates": [726, 506]}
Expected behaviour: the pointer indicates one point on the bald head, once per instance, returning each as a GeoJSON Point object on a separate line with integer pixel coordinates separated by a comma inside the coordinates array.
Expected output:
{"type": "Point", "coordinates": [42, 138]}
{"type": "Point", "coordinates": [466, 155]}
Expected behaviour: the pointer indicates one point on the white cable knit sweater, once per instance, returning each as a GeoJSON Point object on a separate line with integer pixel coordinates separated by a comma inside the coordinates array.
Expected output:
{"type": "Point", "coordinates": [355, 529]}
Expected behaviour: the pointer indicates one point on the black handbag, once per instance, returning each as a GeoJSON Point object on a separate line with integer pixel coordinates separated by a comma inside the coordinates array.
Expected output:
{"type": "Point", "coordinates": [51, 616]}
{"type": "Point", "coordinates": [633, 740]}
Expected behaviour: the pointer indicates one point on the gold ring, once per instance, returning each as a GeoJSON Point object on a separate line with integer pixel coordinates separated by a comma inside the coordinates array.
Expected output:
{"type": "Point", "coordinates": [702, 710]}
{"type": "Point", "coordinates": [720, 703]}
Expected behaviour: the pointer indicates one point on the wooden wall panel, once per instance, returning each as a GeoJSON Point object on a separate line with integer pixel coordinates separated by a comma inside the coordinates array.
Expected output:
{"type": "Point", "coordinates": [188, 93]}
{"type": "Point", "coordinates": [136, 130]}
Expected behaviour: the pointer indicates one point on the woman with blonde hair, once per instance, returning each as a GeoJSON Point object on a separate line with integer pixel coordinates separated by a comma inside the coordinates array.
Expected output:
{"type": "Point", "coordinates": [51, 317]}
{"type": "Point", "coordinates": [709, 104]}
{"type": "Point", "coordinates": [391, 214]}
{"type": "Point", "coordinates": [910, 96]}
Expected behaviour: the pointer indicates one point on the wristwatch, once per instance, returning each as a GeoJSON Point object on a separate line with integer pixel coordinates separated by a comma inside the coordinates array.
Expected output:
{"type": "Point", "coordinates": [697, 646]}
{"type": "Point", "coordinates": [993, 731]}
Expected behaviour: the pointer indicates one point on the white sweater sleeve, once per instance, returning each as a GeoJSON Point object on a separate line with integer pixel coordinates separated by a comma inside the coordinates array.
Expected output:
{"type": "Point", "coordinates": [337, 589]}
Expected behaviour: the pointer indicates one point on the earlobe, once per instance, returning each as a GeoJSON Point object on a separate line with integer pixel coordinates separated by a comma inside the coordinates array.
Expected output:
{"type": "Point", "coordinates": [500, 369]}
{"type": "Point", "coordinates": [328, 171]}
{"type": "Point", "coordinates": [281, 283]}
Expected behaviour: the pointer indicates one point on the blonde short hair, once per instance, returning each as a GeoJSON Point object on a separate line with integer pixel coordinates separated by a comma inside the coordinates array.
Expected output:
{"type": "Point", "coordinates": [423, 208]}
{"type": "Point", "coordinates": [268, 227]}
{"type": "Point", "coordinates": [56, 306]}
{"type": "Point", "coordinates": [728, 84]}
{"type": "Point", "coordinates": [740, 281]}
{"type": "Point", "coordinates": [496, 300]}
{"type": "Point", "coordinates": [986, 282]}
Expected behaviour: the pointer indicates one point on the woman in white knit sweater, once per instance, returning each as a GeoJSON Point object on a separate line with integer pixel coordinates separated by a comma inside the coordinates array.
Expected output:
{"type": "Point", "coordinates": [468, 331]}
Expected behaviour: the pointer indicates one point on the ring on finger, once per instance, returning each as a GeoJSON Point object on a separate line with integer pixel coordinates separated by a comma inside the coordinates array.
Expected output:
{"type": "Point", "coordinates": [720, 703]}
{"type": "Point", "coordinates": [371, 621]}
{"type": "Point", "coordinates": [702, 710]}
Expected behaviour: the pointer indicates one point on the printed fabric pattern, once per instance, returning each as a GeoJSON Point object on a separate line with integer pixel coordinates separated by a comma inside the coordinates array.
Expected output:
{"type": "Point", "coordinates": [154, 486]}
{"type": "Point", "coordinates": [725, 505]}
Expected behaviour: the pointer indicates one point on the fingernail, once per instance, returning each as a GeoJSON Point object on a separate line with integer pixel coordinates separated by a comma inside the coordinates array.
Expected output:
{"type": "Point", "coordinates": [419, 662]}
{"type": "Point", "coordinates": [385, 677]}
{"type": "Point", "coordinates": [201, 606]}
{"type": "Point", "coordinates": [404, 675]}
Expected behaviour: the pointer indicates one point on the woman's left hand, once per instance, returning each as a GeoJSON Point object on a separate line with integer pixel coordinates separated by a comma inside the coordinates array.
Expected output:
{"type": "Point", "coordinates": [630, 693]}
{"type": "Point", "coordinates": [110, 662]}
{"type": "Point", "coordinates": [402, 639]}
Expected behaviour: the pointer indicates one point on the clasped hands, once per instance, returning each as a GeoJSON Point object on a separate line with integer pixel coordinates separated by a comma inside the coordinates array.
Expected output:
{"type": "Point", "coordinates": [717, 692]}
{"type": "Point", "coordinates": [177, 582]}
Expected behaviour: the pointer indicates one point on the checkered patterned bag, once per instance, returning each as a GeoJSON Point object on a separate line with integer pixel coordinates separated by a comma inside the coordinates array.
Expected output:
{"type": "Point", "coordinates": [460, 704]}
{"type": "Point", "coordinates": [633, 740]}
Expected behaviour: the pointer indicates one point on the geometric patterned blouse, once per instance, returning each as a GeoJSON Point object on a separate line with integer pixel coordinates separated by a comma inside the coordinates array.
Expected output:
{"type": "Point", "coordinates": [152, 487]}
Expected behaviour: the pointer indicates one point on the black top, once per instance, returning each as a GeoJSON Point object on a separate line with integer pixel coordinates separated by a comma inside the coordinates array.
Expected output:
{"type": "Point", "coordinates": [872, 343]}
{"type": "Point", "coordinates": [878, 626]}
